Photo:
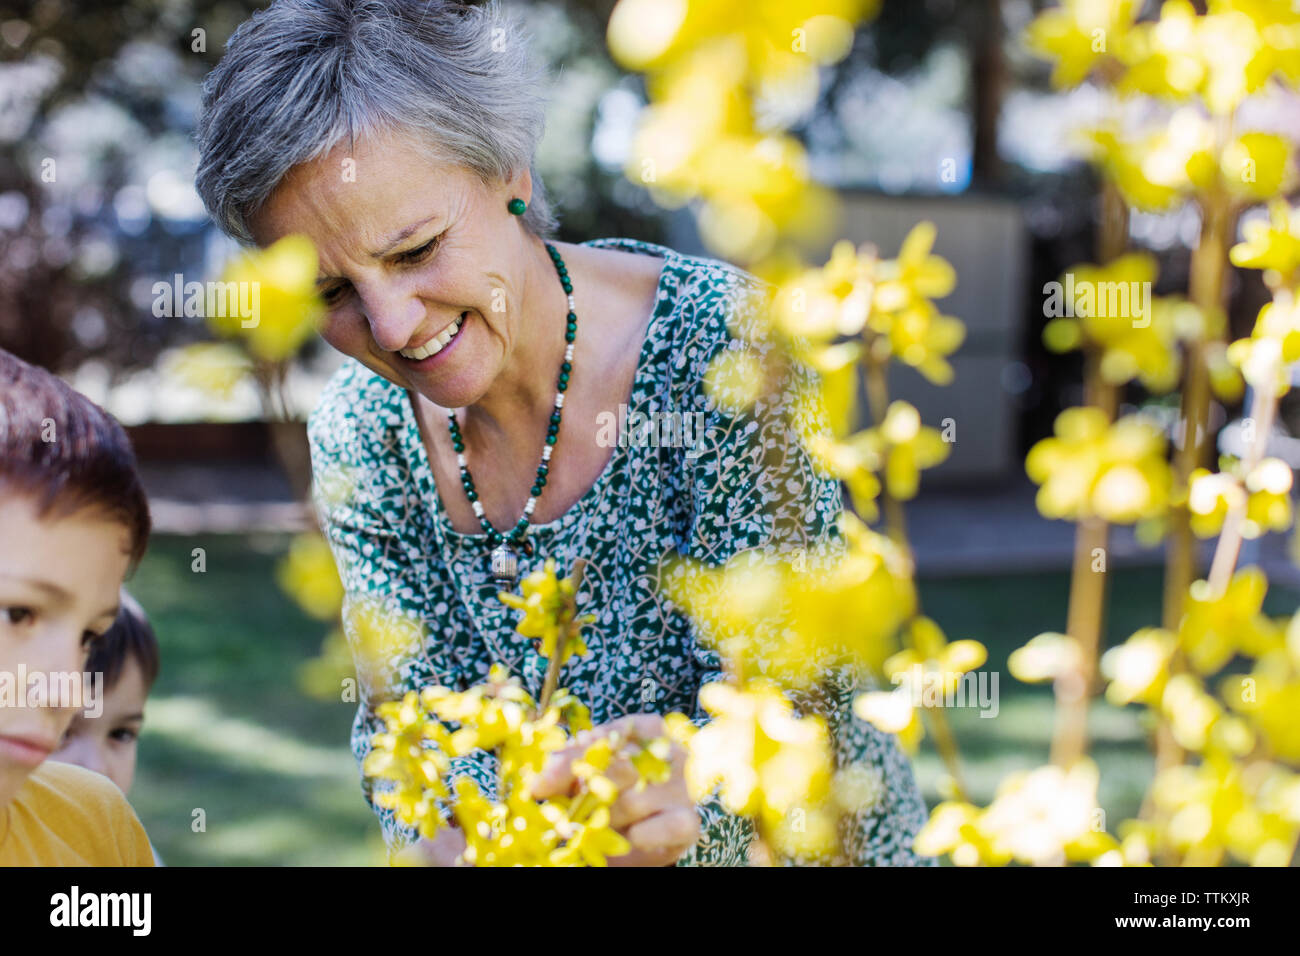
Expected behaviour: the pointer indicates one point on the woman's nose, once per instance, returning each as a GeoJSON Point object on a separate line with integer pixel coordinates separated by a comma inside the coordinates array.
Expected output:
{"type": "Point", "coordinates": [393, 316]}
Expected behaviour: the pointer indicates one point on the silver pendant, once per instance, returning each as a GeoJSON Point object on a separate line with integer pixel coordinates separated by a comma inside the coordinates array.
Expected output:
{"type": "Point", "coordinates": [505, 565]}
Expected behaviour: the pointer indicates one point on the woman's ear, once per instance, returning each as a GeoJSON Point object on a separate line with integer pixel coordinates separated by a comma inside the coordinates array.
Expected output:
{"type": "Point", "coordinates": [520, 185]}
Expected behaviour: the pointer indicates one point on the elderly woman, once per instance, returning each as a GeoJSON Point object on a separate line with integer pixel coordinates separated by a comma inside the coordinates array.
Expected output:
{"type": "Point", "coordinates": [483, 413]}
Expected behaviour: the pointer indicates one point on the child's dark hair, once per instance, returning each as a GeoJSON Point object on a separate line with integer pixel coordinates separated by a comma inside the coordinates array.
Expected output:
{"type": "Point", "coordinates": [66, 451]}
{"type": "Point", "coordinates": [130, 636]}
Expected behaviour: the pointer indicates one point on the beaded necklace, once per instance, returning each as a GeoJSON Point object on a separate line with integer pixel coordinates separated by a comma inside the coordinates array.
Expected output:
{"type": "Point", "coordinates": [505, 556]}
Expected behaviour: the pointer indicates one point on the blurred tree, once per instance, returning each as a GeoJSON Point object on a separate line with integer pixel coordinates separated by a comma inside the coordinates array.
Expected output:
{"type": "Point", "coordinates": [96, 164]}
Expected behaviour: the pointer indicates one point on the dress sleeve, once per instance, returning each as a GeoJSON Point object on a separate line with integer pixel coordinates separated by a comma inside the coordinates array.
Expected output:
{"type": "Point", "coordinates": [378, 573]}
{"type": "Point", "coordinates": [754, 487]}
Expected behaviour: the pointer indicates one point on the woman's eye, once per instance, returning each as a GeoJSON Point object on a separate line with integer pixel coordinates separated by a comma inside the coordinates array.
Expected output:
{"type": "Point", "coordinates": [18, 615]}
{"type": "Point", "coordinates": [334, 294]}
{"type": "Point", "coordinates": [89, 637]}
{"type": "Point", "coordinates": [420, 254]}
{"type": "Point", "coordinates": [124, 735]}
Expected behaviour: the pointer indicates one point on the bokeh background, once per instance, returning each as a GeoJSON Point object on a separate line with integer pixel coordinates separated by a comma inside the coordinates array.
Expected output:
{"type": "Point", "coordinates": [937, 113]}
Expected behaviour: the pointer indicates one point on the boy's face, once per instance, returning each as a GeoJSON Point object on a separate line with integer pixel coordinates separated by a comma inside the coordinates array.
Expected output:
{"type": "Point", "coordinates": [107, 744]}
{"type": "Point", "coordinates": [60, 577]}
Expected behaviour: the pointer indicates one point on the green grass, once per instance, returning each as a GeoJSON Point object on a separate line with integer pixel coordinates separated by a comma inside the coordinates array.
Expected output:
{"type": "Point", "coordinates": [228, 731]}
{"type": "Point", "coordinates": [1003, 613]}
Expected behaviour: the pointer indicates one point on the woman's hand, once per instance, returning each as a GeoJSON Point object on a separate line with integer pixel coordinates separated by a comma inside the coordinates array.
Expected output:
{"type": "Point", "coordinates": [443, 850]}
{"type": "Point", "coordinates": [660, 821]}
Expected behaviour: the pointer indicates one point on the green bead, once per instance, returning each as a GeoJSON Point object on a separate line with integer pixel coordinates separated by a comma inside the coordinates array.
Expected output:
{"type": "Point", "coordinates": [563, 387]}
{"type": "Point", "coordinates": [564, 378]}
{"type": "Point", "coordinates": [550, 439]}
{"type": "Point", "coordinates": [535, 490]}
{"type": "Point", "coordinates": [516, 206]}
{"type": "Point", "coordinates": [473, 495]}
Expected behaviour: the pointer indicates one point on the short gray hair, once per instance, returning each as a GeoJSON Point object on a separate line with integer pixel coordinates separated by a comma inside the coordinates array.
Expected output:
{"type": "Point", "coordinates": [303, 75]}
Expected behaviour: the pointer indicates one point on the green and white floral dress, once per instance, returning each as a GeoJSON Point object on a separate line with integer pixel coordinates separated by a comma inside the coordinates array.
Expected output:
{"type": "Point", "coordinates": [395, 545]}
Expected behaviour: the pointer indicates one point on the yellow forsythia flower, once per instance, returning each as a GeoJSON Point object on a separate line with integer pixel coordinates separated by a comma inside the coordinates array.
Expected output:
{"type": "Point", "coordinates": [549, 612]}
{"type": "Point", "coordinates": [767, 761]}
{"type": "Point", "coordinates": [1217, 626]}
{"type": "Point", "coordinates": [308, 575]}
{"type": "Point", "coordinates": [282, 281]}
{"type": "Point", "coordinates": [1078, 35]}
{"type": "Point", "coordinates": [1112, 310]}
{"type": "Point", "coordinates": [1273, 245]}
{"type": "Point", "coordinates": [1092, 468]}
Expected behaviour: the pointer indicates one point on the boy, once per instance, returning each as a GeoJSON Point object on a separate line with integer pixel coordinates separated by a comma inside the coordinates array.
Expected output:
{"type": "Point", "coordinates": [73, 521]}
{"type": "Point", "coordinates": [127, 657]}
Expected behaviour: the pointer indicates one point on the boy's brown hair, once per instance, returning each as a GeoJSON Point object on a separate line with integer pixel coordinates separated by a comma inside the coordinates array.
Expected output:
{"type": "Point", "coordinates": [66, 451]}
{"type": "Point", "coordinates": [131, 636]}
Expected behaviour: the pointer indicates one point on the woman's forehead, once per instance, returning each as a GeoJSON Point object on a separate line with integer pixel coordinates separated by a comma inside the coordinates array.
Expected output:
{"type": "Point", "coordinates": [371, 193]}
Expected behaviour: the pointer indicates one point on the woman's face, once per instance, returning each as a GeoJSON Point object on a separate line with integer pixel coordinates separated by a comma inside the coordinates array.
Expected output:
{"type": "Point", "coordinates": [60, 577]}
{"type": "Point", "coordinates": [410, 249]}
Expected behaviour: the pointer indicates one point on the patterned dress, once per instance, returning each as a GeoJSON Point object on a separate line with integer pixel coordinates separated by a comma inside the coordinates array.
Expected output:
{"type": "Point", "coordinates": [706, 495]}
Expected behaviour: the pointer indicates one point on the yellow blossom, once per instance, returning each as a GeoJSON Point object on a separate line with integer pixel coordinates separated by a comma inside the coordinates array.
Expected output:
{"type": "Point", "coordinates": [1046, 657]}
{"type": "Point", "coordinates": [382, 640]}
{"type": "Point", "coordinates": [791, 622]}
{"type": "Point", "coordinates": [1092, 468]}
{"type": "Point", "coordinates": [1215, 808]}
{"type": "Point", "coordinates": [646, 34]}
{"type": "Point", "coordinates": [767, 761]}
{"type": "Point", "coordinates": [282, 280]}
{"type": "Point", "coordinates": [907, 447]}
{"type": "Point", "coordinates": [1220, 57]}
{"type": "Point", "coordinates": [1138, 669]}
{"type": "Point", "coordinates": [1269, 697]}
{"type": "Point", "coordinates": [591, 843]}
{"type": "Point", "coordinates": [1215, 627]}
{"type": "Point", "coordinates": [549, 612]}
{"type": "Point", "coordinates": [309, 576]}
{"type": "Point", "coordinates": [1112, 311]}
{"type": "Point", "coordinates": [936, 663]}
{"type": "Point", "coordinates": [399, 755]}
{"type": "Point", "coordinates": [1078, 35]}
{"type": "Point", "coordinates": [893, 712]}
{"type": "Point", "coordinates": [916, 274]}
{"type": "Point", "coordinates": [1274, 245]}
{"type": "Point", "coordinates": [213, 367]}
{"type": "Point", "coordinates": [1253, 166]}
{"type": "Point", "coordinates": [1047, 816]}
{"type": "Point", "coordinates": [1191, 712]}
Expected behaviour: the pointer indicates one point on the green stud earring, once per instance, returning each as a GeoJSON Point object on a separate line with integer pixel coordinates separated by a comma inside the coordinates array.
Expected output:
{"type": "Point", "coordinates": [517, 206]}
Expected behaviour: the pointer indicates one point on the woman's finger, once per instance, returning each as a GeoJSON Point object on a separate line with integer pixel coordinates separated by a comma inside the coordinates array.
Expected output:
{"type": "Point", "coordinates": [634, 805]}
{"type": "Point", "coordinates": [556, 776]}
{"type": "Point", "coordinates": [676, 829]}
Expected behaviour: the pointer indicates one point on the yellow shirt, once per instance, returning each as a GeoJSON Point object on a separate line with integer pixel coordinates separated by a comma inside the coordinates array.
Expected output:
{"type": "Point", "coordinates": [67, 816]}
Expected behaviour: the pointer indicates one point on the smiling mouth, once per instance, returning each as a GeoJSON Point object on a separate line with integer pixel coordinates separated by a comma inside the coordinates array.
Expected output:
{"type": "Point", "coordinates": [437, 343]}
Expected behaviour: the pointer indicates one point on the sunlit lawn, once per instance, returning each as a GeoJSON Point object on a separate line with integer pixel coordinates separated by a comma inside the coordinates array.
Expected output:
{"type": "Point", "coordinates": [229, 733]}
{"type": "Point", "coordinates": [1005, 612]}
{"type": "Point", "coordinates": [227, 730]}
